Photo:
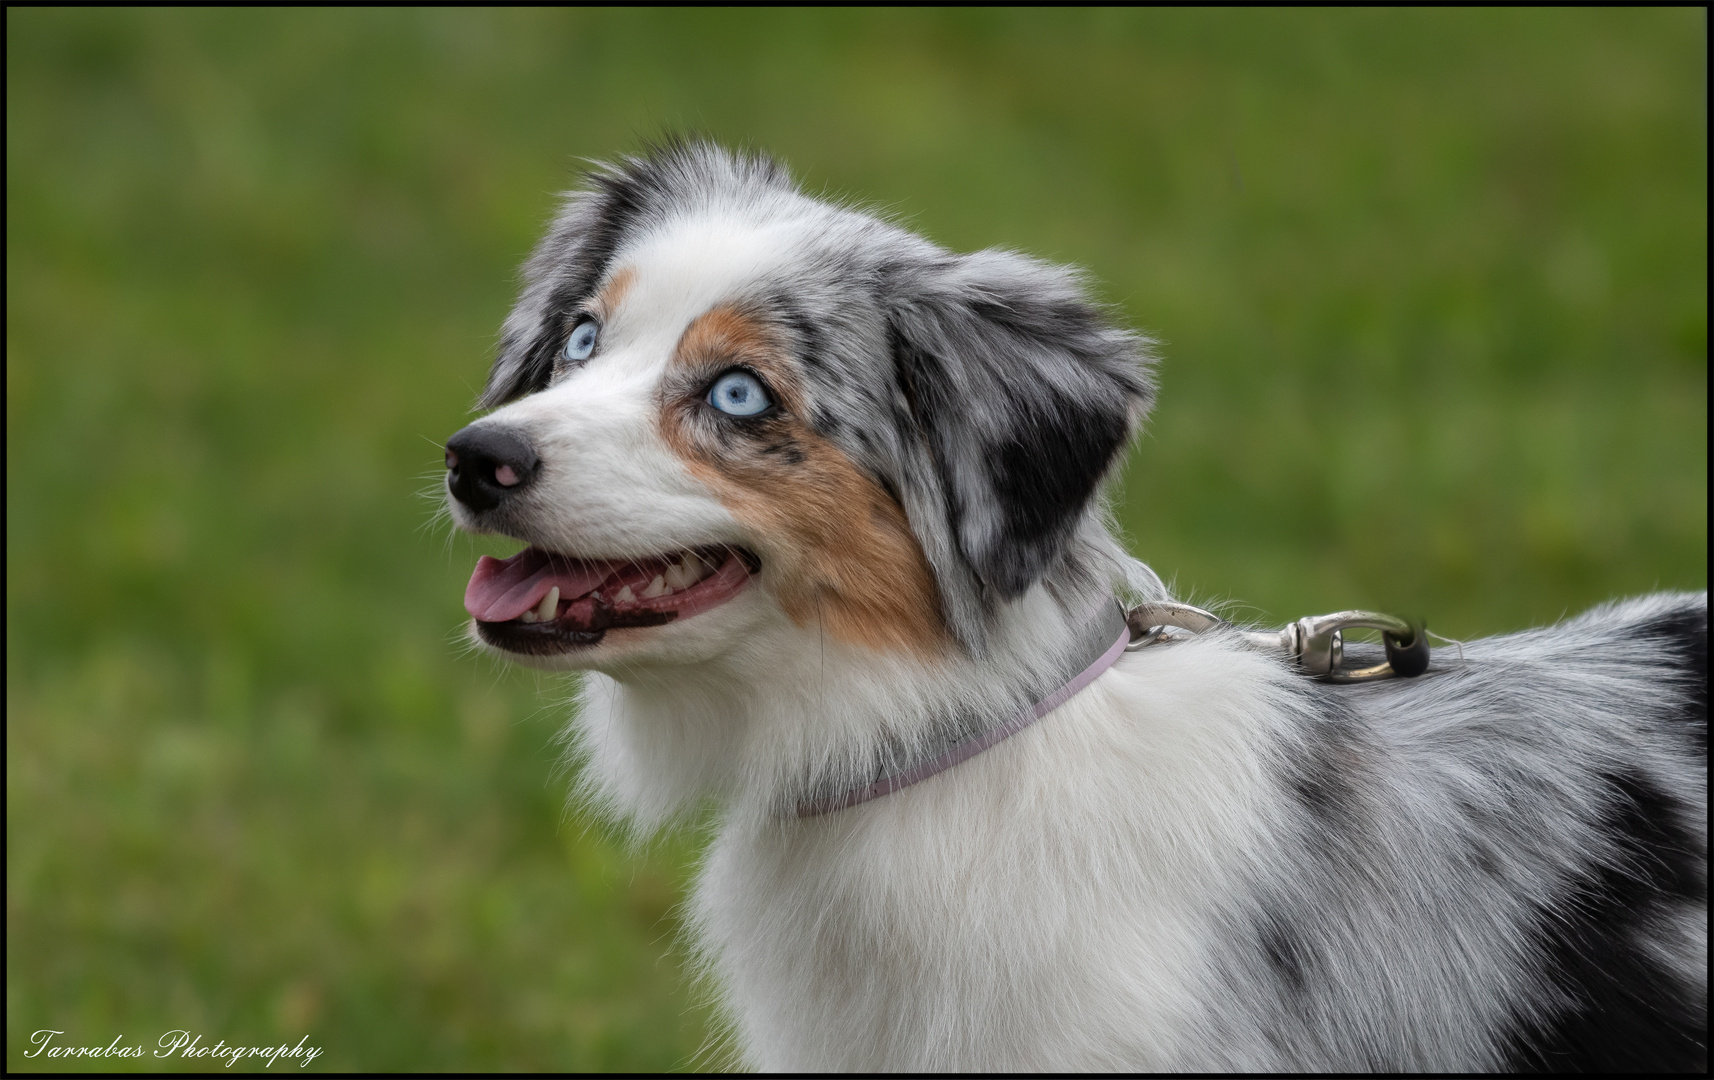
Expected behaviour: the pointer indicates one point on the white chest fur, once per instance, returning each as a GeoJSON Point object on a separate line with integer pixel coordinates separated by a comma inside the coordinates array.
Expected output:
{"type": "Point", "coordinates": [1045, 905]}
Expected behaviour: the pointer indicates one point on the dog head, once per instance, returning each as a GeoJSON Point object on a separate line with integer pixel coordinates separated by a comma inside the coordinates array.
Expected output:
{"type": "Point", "coordinates": [723, 403]}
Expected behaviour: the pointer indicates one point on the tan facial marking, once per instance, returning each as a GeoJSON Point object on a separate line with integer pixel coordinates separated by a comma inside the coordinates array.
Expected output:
{"type": "Point", "coordinates": [838, 549]}
{"type": "Point", "coordinates": [613, 293]}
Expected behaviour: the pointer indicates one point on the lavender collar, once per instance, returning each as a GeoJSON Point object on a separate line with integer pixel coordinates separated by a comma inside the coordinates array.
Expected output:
{"type": "Point", "coordinates": [1104, 639]}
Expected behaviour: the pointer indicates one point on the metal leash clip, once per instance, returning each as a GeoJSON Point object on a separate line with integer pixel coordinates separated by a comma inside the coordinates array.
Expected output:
{"type": "Point", "coordinates": [1316, 643]}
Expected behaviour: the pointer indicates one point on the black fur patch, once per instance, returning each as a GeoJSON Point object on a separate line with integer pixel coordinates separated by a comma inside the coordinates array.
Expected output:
{"type": "Point", "coordinates": [1045, 473]}
{"type": "Point", "coordinates": [1285, 953]}
{"type": "Point", "coordinates": [785, 448]}
{"type": "Point", "coordinates": [1323, 776]}
{"type": "Point", "coordinates": [810, 349]}
{"type": "Point", "coordinates": [1630, 1014]}
{"type": "Point", "coordinates": [1683, 635]}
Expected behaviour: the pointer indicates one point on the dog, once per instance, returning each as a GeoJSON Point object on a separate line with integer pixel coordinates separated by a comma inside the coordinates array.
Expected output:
{"type": "Point", "coordinates": [817, 504]}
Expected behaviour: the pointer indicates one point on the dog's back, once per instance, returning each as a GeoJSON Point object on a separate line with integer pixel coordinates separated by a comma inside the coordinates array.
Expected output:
{"type": "Point", "coordinates": [1508, 858]}
{"type": "Point", "coordinates": [1211, 862]}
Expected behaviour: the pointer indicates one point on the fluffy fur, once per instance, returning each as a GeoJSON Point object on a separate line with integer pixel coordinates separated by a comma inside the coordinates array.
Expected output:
{"type": "Point", "coordinates": [1202, 861]}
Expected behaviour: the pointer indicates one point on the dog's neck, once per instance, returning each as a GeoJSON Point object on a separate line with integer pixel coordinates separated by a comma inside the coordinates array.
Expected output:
{"type": "Point", "coordinates": [957, 737]}
{"type": "Point", "coordinates": [792, 713]}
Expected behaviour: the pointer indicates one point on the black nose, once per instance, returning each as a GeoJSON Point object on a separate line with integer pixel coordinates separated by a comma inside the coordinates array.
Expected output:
{"type": "Point", "coordinates": [485, 463]}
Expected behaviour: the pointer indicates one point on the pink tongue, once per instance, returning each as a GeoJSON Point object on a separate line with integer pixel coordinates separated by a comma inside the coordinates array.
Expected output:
{"type": "Point", "coordinates": [502, 589]}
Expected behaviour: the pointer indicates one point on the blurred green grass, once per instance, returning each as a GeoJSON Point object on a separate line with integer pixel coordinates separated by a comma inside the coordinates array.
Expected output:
{"type": "Point", "coordinates": [1430, 287]}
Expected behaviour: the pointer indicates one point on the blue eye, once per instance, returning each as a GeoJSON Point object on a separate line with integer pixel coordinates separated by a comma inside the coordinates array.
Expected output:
{"type": "Point", "coordinates": [739, 393]}
{"type": "Point", "coordinates": [582, 340]}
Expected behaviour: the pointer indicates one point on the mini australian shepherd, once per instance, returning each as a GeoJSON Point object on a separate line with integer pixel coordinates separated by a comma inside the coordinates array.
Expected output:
{"type": "Point", "coordinates": [817, 503]}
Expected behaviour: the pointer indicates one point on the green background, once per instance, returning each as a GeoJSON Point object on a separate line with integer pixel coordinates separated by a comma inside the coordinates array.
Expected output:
{"type": "Point", "coordinates": [1430, 288]}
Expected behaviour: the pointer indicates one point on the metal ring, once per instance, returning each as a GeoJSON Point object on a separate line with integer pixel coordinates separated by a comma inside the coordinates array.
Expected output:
{"type": "Point", "coordinates": [1321, 644]}
{"type": "Point", "coordinates": [1149, 622]}
{"type": "Point", "coordinates": [1316, 643]}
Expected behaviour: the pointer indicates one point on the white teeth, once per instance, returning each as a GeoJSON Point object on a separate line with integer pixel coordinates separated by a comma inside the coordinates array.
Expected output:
{"type": "Point", "coordinates": [624, 596]}
{"type": "Point", "coordinates": [684, 573]}
{"type": "Point", "coordinates": [656, 588]}
{"type": "Point", "coordinates": [549, 606]}
{"type": "Point", "coordinates": [529, 616]}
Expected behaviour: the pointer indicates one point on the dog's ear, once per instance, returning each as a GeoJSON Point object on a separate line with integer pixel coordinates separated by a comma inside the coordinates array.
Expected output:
{"type": "Point", "coordinates": [1023, 394]}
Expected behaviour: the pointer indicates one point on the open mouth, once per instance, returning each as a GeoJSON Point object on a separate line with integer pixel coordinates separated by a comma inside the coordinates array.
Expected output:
{"type": "Point", "coordinates": [540, 602]}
